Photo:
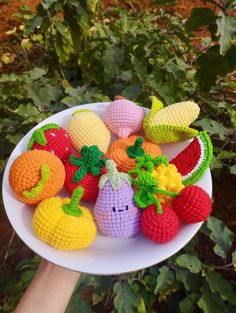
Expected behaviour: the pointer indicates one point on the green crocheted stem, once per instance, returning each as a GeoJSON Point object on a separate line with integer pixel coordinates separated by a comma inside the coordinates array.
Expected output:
{"type": "Point", "coordinates": [168, 193]}
{"type": "Point", "coordinates": [80, 111]}
{"type": "Point", "coordinates": [89, 161]}
{"type": "Point", "coordinates": [39, 136]}
{"type": "Point", "coordinates": [136, 150]}
{"type": "Point", "coordinates": [162, 159]}
{"type": "Point", "coordinates": [113, 176]}
{"type": "Point", "coordinates": [45, 176]}
{"type": "Point", "coordinates": [73, 208]}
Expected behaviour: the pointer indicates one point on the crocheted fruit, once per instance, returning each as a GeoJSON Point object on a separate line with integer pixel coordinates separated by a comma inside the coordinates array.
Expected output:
{"type": "Point", "coordinates": [170, 124]}
{"type": "Point", "coordinates": [124, 151]}
{"type": "Point", "coordinates": [115, 212]}
{"type": "Point", "coordinates": [124, 117]}
{"type": "Point", "coordinates": [159, 225]}
{"type": "Point", "coordinates": [86, 129]}
{"type": "Point", "coordinates": [193, 161]}
{"type": "Point", "coordinates": [84, 169]}
{"type": "Point", "coordinates": [63, 224]}
{"type": "Point", "coordinates": [192, 205]}
{"type": "Point", "coordinates": [36, 175]}
{"type": "Point", "coordinates": [52, 138]}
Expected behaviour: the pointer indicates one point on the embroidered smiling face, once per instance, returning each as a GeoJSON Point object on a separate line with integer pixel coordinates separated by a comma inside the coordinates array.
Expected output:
{"type": "Point", "coordinates": [115, 212]}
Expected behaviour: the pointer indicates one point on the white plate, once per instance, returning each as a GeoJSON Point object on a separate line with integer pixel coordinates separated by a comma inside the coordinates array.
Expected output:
{"type": "Point", "coordinates": [106, 256]}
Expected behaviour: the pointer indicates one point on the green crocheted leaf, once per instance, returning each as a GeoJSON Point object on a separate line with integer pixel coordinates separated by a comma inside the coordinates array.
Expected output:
{"type": "Point", "coordinates": [80, 111]}
{"type": "Point", "coordinates": [157, 105]}
{"type": "Point", "coordinates": [39, 137]}
{"type": "Point", "coordinates": [73, 208]}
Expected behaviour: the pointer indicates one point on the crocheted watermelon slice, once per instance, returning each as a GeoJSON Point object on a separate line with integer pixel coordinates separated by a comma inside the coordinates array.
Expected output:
{"type": "Point", "coordinates": [193, 161]}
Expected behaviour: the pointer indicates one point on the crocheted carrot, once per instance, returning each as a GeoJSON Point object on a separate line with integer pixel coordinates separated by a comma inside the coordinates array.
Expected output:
{"type": "Point", "coordinates": [63, 224]}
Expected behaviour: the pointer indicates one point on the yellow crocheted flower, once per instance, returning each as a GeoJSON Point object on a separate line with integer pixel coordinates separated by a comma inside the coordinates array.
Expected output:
{"type": "Point", "coordinates": [62, 224]}
{"type": "Point", "coordinates": [168, 178]}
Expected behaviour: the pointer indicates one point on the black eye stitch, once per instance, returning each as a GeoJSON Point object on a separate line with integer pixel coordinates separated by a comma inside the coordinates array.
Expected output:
{"type": "Point", "coordinates": [113, 209]}
{"type": "Point", "coordinates": [127, 207]}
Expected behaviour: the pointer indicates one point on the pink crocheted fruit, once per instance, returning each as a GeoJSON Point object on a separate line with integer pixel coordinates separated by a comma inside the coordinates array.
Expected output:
{"type": "Point", "coordinates": [84, 169]}
{"type": "Point", "coordinates": [159, 227]}
{"type": "Point", "coordinates": [115, 212]}
{"type": "Point", "coordinates": [52, 138]}
{"type": "Point", "coordinates": [192, 205]}
{"type": "Point", "coordinates": [124, 117]}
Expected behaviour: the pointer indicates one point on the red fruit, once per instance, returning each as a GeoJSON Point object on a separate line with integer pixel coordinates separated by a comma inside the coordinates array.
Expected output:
{"type": "Point", "coordinates": [84, 169]}
{"type": "Point", "coordinates": [192, 205]}
{"type": "Point", "coordinates": [52, 138]}
{"type": "Point", "coordinates": [159, 227]}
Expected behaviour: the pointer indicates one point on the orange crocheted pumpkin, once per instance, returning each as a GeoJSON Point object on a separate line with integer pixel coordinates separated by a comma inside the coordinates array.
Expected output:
{"type": "Point", "coordinates": [36, 175]}
{"type": "Point", "coordinates": [124, 151]}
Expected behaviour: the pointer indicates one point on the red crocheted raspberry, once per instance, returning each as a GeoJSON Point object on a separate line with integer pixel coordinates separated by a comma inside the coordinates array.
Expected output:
{"type": "Point", "coordinates": [52, 138]}
{"type": "Point", "coordinates": [159, 227]}
{"type": "Point", "coordinates": [192, 205]}
{"type": "Point", "coordinates": [87, 174]}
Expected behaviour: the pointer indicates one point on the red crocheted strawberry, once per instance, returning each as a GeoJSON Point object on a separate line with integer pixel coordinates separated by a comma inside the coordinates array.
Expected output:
{"type": "Point", "coordinates": [193, 204]}
{"type": "Point", "coordinates": [84, 169]}
{"type": "Point", "coordinates": [52, 138]}
{"type": "Point", "coordinates": [159, 224]}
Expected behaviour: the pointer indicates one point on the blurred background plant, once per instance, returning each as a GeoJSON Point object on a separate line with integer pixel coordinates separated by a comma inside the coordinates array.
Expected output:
{"type": "Point", "coordinates": [74, 52]}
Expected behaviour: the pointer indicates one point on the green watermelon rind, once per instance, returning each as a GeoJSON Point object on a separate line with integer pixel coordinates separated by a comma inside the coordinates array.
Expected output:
{"type": "Point", "coordinates": [207, 156]}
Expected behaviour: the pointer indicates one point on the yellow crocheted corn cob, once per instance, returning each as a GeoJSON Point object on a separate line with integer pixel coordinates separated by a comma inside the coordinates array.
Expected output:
{"type": "Point", "coordinates": [168, 178]}
{"type": "Point", "coordinates": [64, 225]}
{"type": "Point", "coordinates": [86, 129]}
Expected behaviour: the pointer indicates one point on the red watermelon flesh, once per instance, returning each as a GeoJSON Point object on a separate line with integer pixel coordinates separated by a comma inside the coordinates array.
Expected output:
{"type": "Point", "coordinates": [193, 161]}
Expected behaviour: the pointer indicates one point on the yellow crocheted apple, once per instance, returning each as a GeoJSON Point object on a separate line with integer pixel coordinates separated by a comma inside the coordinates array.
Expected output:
{"type": "Point", "coordinates": [63, 224]}
{"type": "Point", "coordinates": [86, 129]}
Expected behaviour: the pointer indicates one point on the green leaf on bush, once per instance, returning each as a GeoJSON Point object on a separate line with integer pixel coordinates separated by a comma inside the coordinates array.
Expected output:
{"type": "Point", "coordinates": [220, 235]}
{"type": "Point", "coordinates": [191, 282]}
{"type": "Point", "coordinates": [226, 155]}
{"type": "Point", "coordinates": [213, 127]}
{"type": "Point", "coordinates": [164, 280]}
{"type": "Point", "coordinates": [126, 301]}
{"type": "Point", "coordinates": [187, 304]}
{"type": "Point", "coordinates": [234, 258]}
{"type": "Point", "coordinates": [199, 17]}
{"type": "Point", "coordinates": [191, 262]}
{"type": "Point", "coordinates": [112, 59]}
{"type": "Point", "coordinates": [218, 284]}
{"type": "Point", "coordinates": [36, 73]}
{"type": "Point", "coordinates": [233, 169]}
{"type": "Point", "coordinates": [226, 27]}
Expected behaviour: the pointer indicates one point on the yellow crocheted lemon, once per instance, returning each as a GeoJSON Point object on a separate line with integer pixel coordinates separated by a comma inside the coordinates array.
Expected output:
{"type": "Point", "coordinates": [86, 129]}
{"type": "Point", "coordinates": [170, 124]}
{"type": "Point", "coordinates": [62, 224]}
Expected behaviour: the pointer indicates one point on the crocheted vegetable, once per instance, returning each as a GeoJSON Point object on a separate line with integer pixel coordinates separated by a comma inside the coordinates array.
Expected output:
{"type": "Point", "coordinates": [170, 124]}
{"type": "Point", "coordinates": [115, 212]}
{"type": "Point", "coordinates": [84, 169]}
{"type": "Point", "coordinates": [63, 224]}
{"type": "Point", "coordinates": [86, 129]}
{"type": "Point", "coordinates": [124, 151]}
{"type": "Point", "coordinates": [160, 227]}
{"type": "Point", "coordinates": [155, 179]}
{"type": "Point", "coordinates": [193, 161]}
{"type": "Point", "coordinates": [124, 117]}
{"type": "Point", "coordinates": [192, 205]}
{"type": "Point", "coordinates": [36, 175]}
{"type": "Point", "coordinates": [52, 138]}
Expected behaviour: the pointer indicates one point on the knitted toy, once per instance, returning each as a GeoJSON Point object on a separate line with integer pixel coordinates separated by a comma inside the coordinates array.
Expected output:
{"type": "Point", "coordinates": [63, 224]}
{"type": "Point", "coordinates": [160, 225]}
{"type": "Point", "coordinates": [84, 169]}
{"type": "Point", "coordinates": [170, 124]}
{"type": "Point", "coordinates": [193, 161]}
{"type": "Point", "coordinates": [192, 205]}
{"type": "Point", "coordinates": [52, 138]}
{"type": "Point", "coordinates": [124, 151]}
{"type": "Point", "coordinates": [124, 117]}
{"type": "Point", "coordinates": [86, 128]}
{"type": "Point", "coordinates": [115, 212]}
{"type": "Point", "coordinates": [36, 175]}
{"type": "Point", "coordinates": [155, 179]}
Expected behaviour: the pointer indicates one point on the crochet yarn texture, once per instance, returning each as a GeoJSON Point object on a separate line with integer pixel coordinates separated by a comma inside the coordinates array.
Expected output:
{"type": "Point", "coordinates": [124, 151]}
{"type": "Point", "coordinates": [170, 124]}
{"type": "Point", "coordinates": [52, 138]}
{"type": "Point", "coordinates": [193, 161]}
{"type": "Point", "coordinates": [115, 212]}
{"type": "Point", "coordinates": [86, 129]}
{"type": "Point", "coordinates": [36, 175]}
{"type": "Point", "coordinates": [192, 205]}
{"type": "Point", "coordinates": [63, 224]}
{"type": "Point", "coordinates": [124, 117]}
{"type": "Point", "coordinates": [84, 169]}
